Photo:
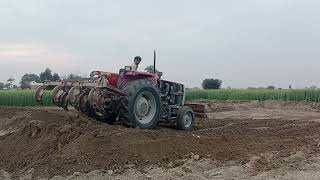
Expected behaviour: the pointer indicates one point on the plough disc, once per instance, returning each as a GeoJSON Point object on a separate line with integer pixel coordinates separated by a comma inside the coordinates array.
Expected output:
{"type": "Point", "coordinates": [93, 96]}
{"type": "Point", "coordinates": [40, 92]}
{"type": "Point", "coordinates": [73, 95]}
{"type": "Point", "coordinates": [84, 105]}
{"type": "Point", "coordinates": [57, 95]}
{"type": "Point", "coordinates": [96, 100]}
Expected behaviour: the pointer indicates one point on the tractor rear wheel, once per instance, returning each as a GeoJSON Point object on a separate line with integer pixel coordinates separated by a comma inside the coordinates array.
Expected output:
{"type": "Point", "coordinates": [141, 107]}
{"type": "Point", "coordinates": [185, 118]}
{"type": "Point", "coordinates": [110, 118]}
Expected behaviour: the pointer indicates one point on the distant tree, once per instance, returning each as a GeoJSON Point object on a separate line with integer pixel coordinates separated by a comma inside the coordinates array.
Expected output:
{"type": "Point", "coordinates": [14, 86]}
{"type": "Point", "coordinates": [8, 85]}
{"type": "Point", "coordinates": [10, 80]}
{"type": "Point", "coordinates": [55, 77]}
{"type": "Point", "coordinates": [313, 87]}
{"type": "Point", "coordinates": [150, 68]}
{"type": "Point", "coordinates": [27, 79]}
{"type": "Point", "coordinates": [46, 75]}
{"type": "Point", "coordinates": [271, 87]}
{"type": "Point", "coordinates": [1, 85]}
{"type": "Point", "coordinates": [290, 87]}
{"type": "Point", "coordinates": [74, 77]}
{"type": "Point", "coordinates": [211, 84]}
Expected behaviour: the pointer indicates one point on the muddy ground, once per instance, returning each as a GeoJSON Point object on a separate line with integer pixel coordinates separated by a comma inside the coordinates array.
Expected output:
{"type": "Point", "coordinates": [252, 140]}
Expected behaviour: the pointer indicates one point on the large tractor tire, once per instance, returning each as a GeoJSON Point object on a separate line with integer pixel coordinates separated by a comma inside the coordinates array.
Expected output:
{"type": "Point", "coordinates": [110, 118]}
{"type": "Point", "coordinates": [141, 107]}
{"type": "Point", "coordinates": [185, 118]}
{"type": "Point", "coordinates": [107, 117]}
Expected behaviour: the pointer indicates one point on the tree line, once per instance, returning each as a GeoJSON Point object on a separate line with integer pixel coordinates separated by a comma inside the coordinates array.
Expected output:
{"type": "Point", "coordinates": [46, 75]}
{"type": "Point", "coordinates": [9, 84]}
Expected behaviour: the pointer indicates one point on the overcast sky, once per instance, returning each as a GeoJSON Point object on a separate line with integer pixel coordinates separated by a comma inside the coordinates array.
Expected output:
{"type": "Point", "coordinates": [243, 42]}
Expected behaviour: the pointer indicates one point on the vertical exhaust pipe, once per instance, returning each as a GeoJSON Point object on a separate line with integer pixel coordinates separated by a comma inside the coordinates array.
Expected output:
{"type": "Point", "coordinates": [154, 62]}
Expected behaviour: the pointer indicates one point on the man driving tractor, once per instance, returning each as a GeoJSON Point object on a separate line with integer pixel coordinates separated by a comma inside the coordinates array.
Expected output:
{"type": "Point", "coordinates": [135, 65]}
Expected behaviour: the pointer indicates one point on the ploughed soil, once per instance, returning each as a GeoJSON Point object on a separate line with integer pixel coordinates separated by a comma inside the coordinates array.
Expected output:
{"type": "Point", "coordinates": [260, 136]}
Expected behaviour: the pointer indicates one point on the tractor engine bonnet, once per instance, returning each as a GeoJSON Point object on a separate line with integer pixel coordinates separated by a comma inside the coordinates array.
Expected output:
{"type": "Point", "coordinates": [113, 78]}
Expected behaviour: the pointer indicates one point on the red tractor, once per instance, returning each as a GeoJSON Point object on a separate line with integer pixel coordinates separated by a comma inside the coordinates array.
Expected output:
{"type": "Point", "coordinates": [135, 99]}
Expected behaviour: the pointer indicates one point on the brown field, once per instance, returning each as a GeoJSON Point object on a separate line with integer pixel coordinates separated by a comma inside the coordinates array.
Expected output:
{"type": "Point", "coordinates": [252, 140]}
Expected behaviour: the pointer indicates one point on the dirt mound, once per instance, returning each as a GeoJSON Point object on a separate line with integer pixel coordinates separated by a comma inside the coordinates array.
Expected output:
{"type": "Point", "coordinates": [54, 142]}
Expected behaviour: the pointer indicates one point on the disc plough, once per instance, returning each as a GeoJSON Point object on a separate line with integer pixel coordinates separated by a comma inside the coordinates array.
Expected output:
{"type": "Point", "coordinates": [85, 95]}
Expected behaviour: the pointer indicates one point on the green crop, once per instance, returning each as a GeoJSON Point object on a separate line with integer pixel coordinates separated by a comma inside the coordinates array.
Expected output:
{"type": "Point", "coordinates": [309, 95]}
{"type": "Point", "coordinates": [23, 98]}
{"type": "Point", "coordinates": [26, 97]}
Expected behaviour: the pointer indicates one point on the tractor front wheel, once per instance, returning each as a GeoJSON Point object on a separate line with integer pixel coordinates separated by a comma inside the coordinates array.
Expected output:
{"type": "Point", "coordinates": [185, 118]}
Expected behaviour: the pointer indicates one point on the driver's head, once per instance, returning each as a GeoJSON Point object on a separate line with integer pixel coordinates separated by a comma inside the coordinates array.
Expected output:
{"type": "Point", "coordinates": [137, 60]}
